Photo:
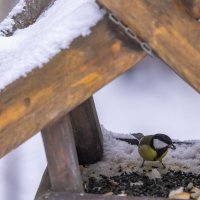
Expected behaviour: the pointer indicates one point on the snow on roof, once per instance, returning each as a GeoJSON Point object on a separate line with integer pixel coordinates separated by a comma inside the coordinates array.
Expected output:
{"type": "Point", "coordinates": [53, 31]}
{"type": "Point", "coordinates": [121, 156]}
{"type": "Point", "coordinates": [7, 23]}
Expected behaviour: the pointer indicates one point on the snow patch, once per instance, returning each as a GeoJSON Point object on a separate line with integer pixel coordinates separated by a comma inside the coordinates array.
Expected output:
{"type": "Point", "coordinates": [120, 156]}
{"type": "Point", "coordinates": [55, 30]}
{"type": "Point", "coordinates": [8, 22]}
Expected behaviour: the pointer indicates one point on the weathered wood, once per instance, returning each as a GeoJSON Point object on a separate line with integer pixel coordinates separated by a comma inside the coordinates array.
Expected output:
{"type": "Point", "coordinates": [193, 7]}
{"type": "Point", "coordinates": [87, 132]}
{"type": "Point", "coordinates": [85, 196]}
{"type": "Point", "coordinates": [63, 168]}
{"type": "Point", "coordinates": [71, 77]}
{"type": "Point", "coordinates": [31, 11]}
{"type": "Point", "coordinates": [169, 30]}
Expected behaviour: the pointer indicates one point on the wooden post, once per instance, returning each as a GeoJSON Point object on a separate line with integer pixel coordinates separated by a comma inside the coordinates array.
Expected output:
{"type": "Point", "coordinates": [87, 132]}
{"type": "Point", "coordinates": [62, 159]}
{"type": "Point", "coordinates": [89, 144]}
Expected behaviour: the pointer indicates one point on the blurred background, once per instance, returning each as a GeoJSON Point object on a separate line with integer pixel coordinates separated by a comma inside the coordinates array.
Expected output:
{"type": "Point", "coordinates": [150, 98]}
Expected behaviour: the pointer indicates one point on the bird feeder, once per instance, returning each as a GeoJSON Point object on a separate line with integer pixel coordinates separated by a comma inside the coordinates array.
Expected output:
{"type": "Point", "coordinates": [60, 104]}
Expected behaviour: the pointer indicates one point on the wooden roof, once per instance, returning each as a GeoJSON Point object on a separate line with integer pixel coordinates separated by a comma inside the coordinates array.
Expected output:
{"type": "Point", "coordinates": [72, 76]}
{"type": "Point", "coordinates": [168, 29]}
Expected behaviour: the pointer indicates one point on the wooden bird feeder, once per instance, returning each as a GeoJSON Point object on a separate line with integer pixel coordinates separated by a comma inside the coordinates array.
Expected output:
{"type": "Point", "coordinates": [62, 108]}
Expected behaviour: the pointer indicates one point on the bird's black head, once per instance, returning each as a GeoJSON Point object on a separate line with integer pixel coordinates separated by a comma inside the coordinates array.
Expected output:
{"type": "Point", "coordinates": [162, 140]}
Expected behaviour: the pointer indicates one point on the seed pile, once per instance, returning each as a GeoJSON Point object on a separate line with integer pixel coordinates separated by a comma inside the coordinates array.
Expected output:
{"type": "Point", "coordinates": [139, 184]}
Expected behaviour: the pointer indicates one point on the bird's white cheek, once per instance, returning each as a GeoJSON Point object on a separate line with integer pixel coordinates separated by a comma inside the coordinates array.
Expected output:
{"type": "Point", "coordinates": [158, 144]}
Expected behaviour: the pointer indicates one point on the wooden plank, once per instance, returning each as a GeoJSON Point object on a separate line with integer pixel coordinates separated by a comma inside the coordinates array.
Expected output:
{"type": "Point", "coordinates": [63, 168]}
{"type": "Point", "coordinates": [85, 196]}
{"type": "Point", "coordinates": [87, 132]}
{"type": "Point", "coordinates": [169, 30]}
{"type": "Point", "coordinates": [193, 7]}
{"type": "Point", "coordinates": [70, 78]}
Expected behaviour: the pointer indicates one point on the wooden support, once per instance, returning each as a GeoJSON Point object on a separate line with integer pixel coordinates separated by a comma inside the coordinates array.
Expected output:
{"type": "Point", "coordinates": [169, 30]}
{"type": "Point", "coordinates": [88, 138]}
{"type": "Point", "coordinates": [71, 77]}
{"type": "Point", "coordinates": [87, 132]}
{"type": "Point", "coordinates": [61, 155]}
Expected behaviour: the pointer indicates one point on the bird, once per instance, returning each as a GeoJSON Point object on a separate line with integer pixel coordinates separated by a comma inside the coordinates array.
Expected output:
{"type": "Point", "coordinates": [151, 147]}
{"type": "Point", "coordinates": [154, 147]}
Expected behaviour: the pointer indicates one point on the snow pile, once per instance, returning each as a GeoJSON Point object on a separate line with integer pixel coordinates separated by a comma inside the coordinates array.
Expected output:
{"type": "Point", "coordinates": [53, 31]}
{"type": "Point", "coordinates": [120, 156]}
{"type": "Point", "coordinates": [8, 22]}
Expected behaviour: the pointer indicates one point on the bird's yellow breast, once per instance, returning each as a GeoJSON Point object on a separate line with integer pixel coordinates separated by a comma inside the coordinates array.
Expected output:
{"type": "Point", "coordinates": [148, 153]}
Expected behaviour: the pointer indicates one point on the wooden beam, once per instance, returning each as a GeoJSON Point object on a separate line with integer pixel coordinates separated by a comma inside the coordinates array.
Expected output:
{"type": "Point", "coordinates": [71, 77]}
{"type": "Point", "coordinates": [85, 196]}
{"type": "Point", "coordinates": [87, 132]}
{"type": "Point", "coordinates": [63, 168]}
{"type": "Point", "coordinates": [169, 30]}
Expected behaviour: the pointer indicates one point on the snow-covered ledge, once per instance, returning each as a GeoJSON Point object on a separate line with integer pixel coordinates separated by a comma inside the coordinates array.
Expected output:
{"type": "Point", "coordinates": [23, 14]}
{"type": "Point", "coordinates": [67, 79]}
{"type": "Point", "coordinates": [33, 46]}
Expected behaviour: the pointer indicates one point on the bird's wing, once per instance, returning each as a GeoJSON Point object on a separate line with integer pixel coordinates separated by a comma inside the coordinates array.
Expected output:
{"type": "Point", "coordinates": [129, 141]}
{"type": "Point", "coordinates": [138, 136]}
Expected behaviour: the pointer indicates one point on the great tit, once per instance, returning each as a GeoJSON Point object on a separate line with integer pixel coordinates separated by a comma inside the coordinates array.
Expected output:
{"type": "Point", "coordinates": [154, 147]}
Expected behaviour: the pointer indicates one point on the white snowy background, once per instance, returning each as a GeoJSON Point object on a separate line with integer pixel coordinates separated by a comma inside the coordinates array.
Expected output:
{"type": "Point", "coordinates": [149, 98]}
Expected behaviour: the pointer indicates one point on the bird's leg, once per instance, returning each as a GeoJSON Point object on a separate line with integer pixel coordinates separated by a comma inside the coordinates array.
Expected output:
{"type": "Point", "coordinates": [162, 164]}
{"type": "Point", "coordinates": [143, 163]}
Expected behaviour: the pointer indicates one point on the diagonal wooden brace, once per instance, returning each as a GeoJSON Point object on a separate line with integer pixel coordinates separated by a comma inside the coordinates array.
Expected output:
{"type": "Point", "coordinates": [168, 29]}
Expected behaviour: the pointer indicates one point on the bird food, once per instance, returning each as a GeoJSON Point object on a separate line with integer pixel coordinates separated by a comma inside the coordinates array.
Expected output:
{"type": "Point", "coordinates": [120, 172]}
{"type": "Point", "coordinates": [141, 185]}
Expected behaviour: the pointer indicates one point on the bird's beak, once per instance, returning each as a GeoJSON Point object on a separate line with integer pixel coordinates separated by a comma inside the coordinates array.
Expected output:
{"type": "Point", "coordinates": [172, 146]}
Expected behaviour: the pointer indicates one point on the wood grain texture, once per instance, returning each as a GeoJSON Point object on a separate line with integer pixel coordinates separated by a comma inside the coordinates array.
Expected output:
{"type": "Point", "coordinates": [63, 168]}
{"type": "Point", "coordinates": [87, 132]}
{"type": "Point", "coordinates": [169, 30]}
{"type": "Point", "coordinates": [193, 7]}
{"type": "Point", "coordinates": [71, 77]}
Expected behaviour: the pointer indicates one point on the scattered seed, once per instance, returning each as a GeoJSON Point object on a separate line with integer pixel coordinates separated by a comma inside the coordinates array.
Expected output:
{"type": "Point", "coordinates": [108, 194]}
{"type": "Point", "coordinates": [139, 184]}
